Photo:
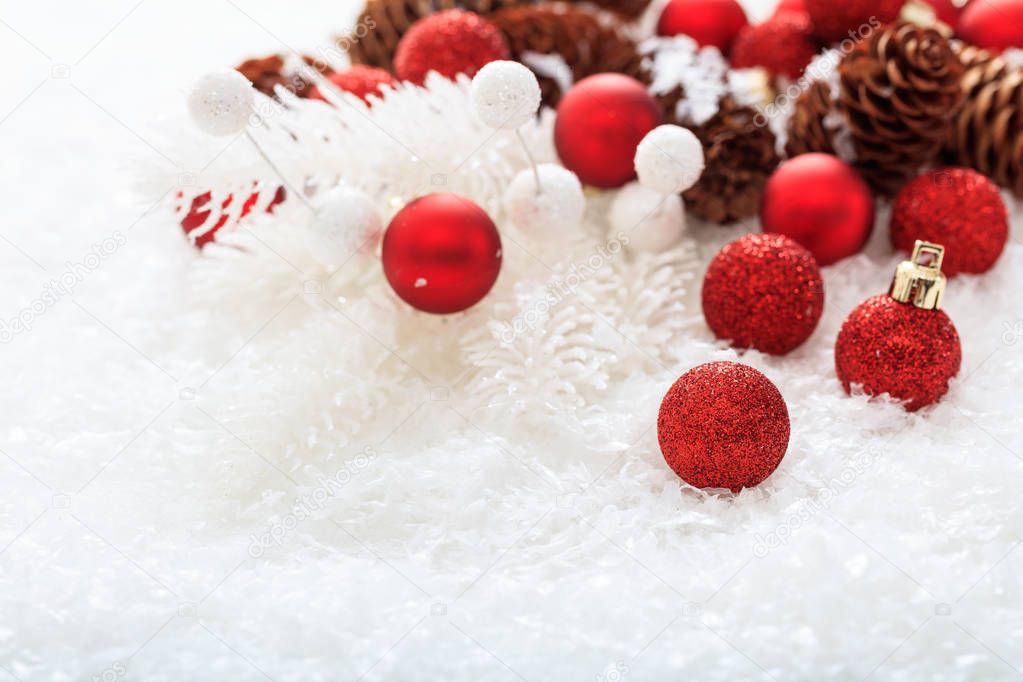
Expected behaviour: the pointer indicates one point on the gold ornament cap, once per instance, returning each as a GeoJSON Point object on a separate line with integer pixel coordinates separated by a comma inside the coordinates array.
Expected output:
{"type": "Point", "coordinates": [919, 281]}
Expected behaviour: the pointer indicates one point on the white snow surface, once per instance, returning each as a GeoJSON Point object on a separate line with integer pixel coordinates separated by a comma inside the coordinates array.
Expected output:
{"type": "Point", "coordinates": [242, 466]}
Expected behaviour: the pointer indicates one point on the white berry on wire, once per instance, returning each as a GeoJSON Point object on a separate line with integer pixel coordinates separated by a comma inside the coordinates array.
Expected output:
{"type": "Point", "coordinates": [651, 221]}
{"type": "Point", "coordinates": [346, 223]}
{"type": "Point", "coordinates": [222, 102]}
{"type": "Point", "coordinates": [505, 94]}
{"type": "Point", "coordinates": [669, 159]}
{"type": "Point", "coordinates": [556, 205]}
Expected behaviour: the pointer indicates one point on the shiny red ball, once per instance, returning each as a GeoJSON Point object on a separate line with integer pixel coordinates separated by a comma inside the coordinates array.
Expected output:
{"type": "Point", "coordinates": [958, 208]}
{"type": "Point", "coordinates": [450, 42]}
{"type": "Point", "coordinates": [899, 349]}
{"type": "Point", "coordinates": [836, 20]}
{"type": "Point", "coordinates": [360, 80]}
{"type": "Point", "coordinates": [992, 24]}
{"type": "Point", "coordinates": [601, 120]}
{"type": "Point", "coordinates": [783, 45]}
{"type": "Point", "coordinates": [723, 425]}
{"type": "Point", "coordinates": [763, 291]}
{"type": "Point", "coordinates": [708, 22]}
{"type": "Point", "coordinates": [441, 253]}
{"type": "Point", "coordinates": [822, 203]}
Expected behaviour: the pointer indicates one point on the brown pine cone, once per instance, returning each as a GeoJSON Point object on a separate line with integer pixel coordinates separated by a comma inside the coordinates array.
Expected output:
{"type": "Point", "coordinates": [585, 44]}
{"type": "Point", "coordinates": [739, 156]}
{"type": "Point", "coordinates": [626, 8]}
{"type": "Point", "coordinates": [900, 93]}
{"type": "Point", "coordinates": [808, 127]}
{"type": "Point", "coordinates": [383, 22]}
{"type": "Point", "coordinates": [988, 134]}
{"type": "Point", "coordinates": [268, 72]}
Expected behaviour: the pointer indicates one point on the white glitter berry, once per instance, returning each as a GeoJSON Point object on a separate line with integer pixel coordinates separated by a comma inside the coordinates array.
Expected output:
{"type": "Point", "coordinates": [669, 159]}
{"type": "Point", "coordinates": [505, 94]}
{"type": "Point", "coordinates": [651, 220]}
{"type": "Point", "coordinates": [346, 222]}
{"type": "Point", "coordinates": [558, 205]}
{"type": "Point", "coordinates": [222, 102]}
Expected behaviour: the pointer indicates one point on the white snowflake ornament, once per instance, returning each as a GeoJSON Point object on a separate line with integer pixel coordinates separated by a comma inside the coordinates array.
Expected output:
{"type": "Point", "coordinates": [651, 221]}
{"type": "Point", "coordinates": [556, 205]}
{"type": "Point", "coordinates": [505, 94]}
{"type": "Point", "coordinates": [222, 102]}
{"type": "Point", "coordinates": [346, 223]}
{"type": "Point", "coordinates": [669, 160]}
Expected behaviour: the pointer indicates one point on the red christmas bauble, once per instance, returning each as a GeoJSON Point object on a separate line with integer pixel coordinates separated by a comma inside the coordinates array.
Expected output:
{"type": "Point", "coordinates": [763, 291]}
{"type": "Point", "coordinates": [896, 348]}
{"type": "Point", "coordinates": [958, 208]}
{"type": "Point", "coordinates": [601, 120]}
{"type": "Point", "coordinates": [948, 11]}
{"type": "Point", "coordinates": [822, 203]}
{"type": "Point", "coordinates": [992, 24]}
{"type": "Point", "coordinates": [835, 20]}
{"type": "Point", "coordinates": [360, 80]}
{"type": "Point", "coordinates": [708, 22]}
{"type": "Point", "coordinates": [783, 45]}
{"type": "Point", "coordinates": [441, 253]}
{"type": "Point", "coordinates": [723, 425]}
{"type": "Point", "coordinates": [450, 42]}
{"type": "Point", "coordinates": [794, 6]}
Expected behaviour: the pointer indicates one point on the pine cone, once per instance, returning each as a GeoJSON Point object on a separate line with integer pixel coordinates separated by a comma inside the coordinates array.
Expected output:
{"type": "Point", "coordinates": [900, 93]}
{"type": "Point", "coordinates": [988, 134]}
{"type": "Point", "coordinates": [740, 156]}
{"type": "Point", "coordinates": [626, 8]}
{"type": "Point", "coordinates": [383, 22]}
{"type": "Point", "coordinates": [585, 44]}
{"type": "Point", "coordinates": [808, 128]}
{"type": "Point", "coordinates": [268, 72]}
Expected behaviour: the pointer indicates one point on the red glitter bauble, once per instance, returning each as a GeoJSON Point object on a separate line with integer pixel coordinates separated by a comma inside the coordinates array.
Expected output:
{"type": "Point", "coordinates": [450, 42]}
{"type": "Point", "coordinates": [763, 291]}
{"type": "Point", "coordinates": [600, 122]}
{"type": "Point", "coordinates": [708, 22]}
{"type": "Point", "coordinates": [793, 6]}
{"type": "Point", "coordinates": [441, 253]}
{"type": "Point", "coordinates": [835, 20]}
{"type": "Point", "coordinates": [723, 425]}
{"type": "Point", "coordinates": [822, 203]}
{"type": "Point", "coordinates": [896, 348]}
{"type": "Point", "coordinates": [992, 24]}
{"type": "Point", "coordinates": [958, 208]}
{"type": "Point", "coordinates": [783, 45]}
{"type": "Point", "coordinates": [360, 80]}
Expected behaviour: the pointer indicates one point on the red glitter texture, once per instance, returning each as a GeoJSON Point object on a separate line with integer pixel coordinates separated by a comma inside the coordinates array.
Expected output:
{"type": "Point", "coordinates": [449, 42]}
{"type": "Point", "coordinates": [890, 347]}
{"type": "Point", "coordinates": [958, 208]}
{"type": "Point", "coordinates": [763, 291]}
{"type": "Point", "coordinates": [835, 20]}
{"type": "Point", "coordinates": [783, 45]}
{"type": "Point", "coordinates": [362, 81]}
{"type": "Point", "coordinates": [723, 425]}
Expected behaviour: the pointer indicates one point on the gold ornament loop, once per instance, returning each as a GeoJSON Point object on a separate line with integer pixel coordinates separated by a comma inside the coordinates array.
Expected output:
{"type": "Point", "coordinates": [919, 280]}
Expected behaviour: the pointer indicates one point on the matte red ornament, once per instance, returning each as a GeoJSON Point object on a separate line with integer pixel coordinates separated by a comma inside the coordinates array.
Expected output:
{"type": "Point", "coordinates": [601, 120]}
{"type": "Point", "coordinates": [836, 20]}
{"type": "Point", "coordinates": [360, 80]}
{"type": "Point", "coordinates": [763, 291]}
{"type": "Point", "coordinates": [441, 253]}
{"type": "Point", "coordinates": [822, 203]}
{"type": "Point", "coordinates": [901, 343]}
{"type": "Point", "coordinates": [450, 42]}
{"type": "Point", "coordinates": [783, 45]}
{"type": "Point", "coordinates": [992, 24]}
{"type": "Point", "coordinates": [794, 6]}
{"type": "Point", "coordinates": [723, 425]}
{"type": "Point", "coordinates": [958, 208]}
{"type": "Point", "coordinates": [708, 22]}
